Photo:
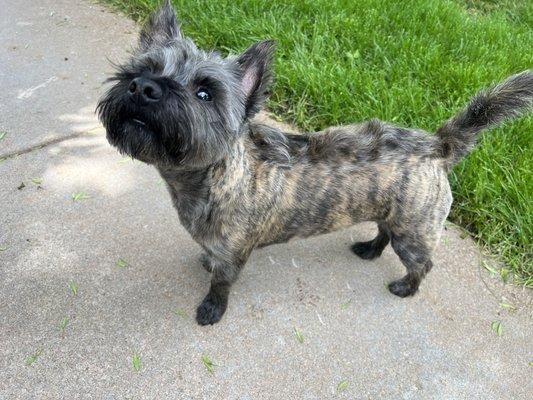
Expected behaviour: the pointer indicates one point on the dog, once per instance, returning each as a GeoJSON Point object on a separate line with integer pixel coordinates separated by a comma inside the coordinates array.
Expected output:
{"type": "Point", "coordinates": [238, 185]}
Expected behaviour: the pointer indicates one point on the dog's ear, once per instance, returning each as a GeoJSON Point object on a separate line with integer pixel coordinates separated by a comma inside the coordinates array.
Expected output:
{"type": "Point", "coordinates": [161, 27]}
{"type": "Point", "coordinates": [255, 66]}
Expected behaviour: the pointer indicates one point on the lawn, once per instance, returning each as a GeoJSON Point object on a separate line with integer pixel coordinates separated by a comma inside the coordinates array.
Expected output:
{"type": "Point", "coordinates": [413, 62]}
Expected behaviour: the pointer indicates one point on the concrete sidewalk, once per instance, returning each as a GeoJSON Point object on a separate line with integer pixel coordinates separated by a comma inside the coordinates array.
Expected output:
{"type": "Point", "coordinates": [72, 315]}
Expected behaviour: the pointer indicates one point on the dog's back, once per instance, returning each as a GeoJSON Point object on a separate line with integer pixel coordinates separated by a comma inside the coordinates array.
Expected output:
{"type": "Point", "coordinates": [378, 172]}
{"type": "Point", "coordinates": [344, 175]}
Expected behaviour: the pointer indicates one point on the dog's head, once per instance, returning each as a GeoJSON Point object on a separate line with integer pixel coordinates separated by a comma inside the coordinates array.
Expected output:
{"type": "Point", "coordinates": [173, 103]}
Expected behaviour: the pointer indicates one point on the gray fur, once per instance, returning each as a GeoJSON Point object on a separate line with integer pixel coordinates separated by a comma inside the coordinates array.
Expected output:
{"type": "Point", "coordinates": [487, 109]}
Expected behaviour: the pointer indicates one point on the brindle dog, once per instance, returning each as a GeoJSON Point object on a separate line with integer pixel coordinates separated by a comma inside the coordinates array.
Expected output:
{"type": "Point", "coordinates": [238, 185]}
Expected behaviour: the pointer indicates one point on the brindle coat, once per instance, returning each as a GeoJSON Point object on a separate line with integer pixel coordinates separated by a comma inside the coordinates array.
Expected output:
{"type": "Point", "coordinates": [238, 185]}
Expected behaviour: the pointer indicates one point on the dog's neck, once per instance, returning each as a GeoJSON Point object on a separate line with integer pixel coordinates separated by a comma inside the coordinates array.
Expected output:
{"type": "Point", "coordinates": [185, 178]}
{"type": "Point", "coordinates": [195, 191]}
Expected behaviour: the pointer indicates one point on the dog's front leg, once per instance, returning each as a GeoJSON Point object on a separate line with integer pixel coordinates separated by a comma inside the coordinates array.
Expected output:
{"type": "Point", "coordinates": [207, 262]}
{"type": "Point", "coordinates": [212, 308]}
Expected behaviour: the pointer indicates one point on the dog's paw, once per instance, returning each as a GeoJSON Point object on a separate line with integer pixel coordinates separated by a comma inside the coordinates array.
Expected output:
{"type": "Point", "coordinates": [210, 311]}
{"type": "Point", "coordinates": [366, 250]}
{"type": "Point", "coordinates": [402, 288]}
{"type": "Point", "coordinates": [206, 262]}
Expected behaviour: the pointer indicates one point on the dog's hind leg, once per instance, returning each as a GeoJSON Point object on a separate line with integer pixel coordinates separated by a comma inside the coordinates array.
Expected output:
{"type": "Point", "coordinates": [207, 262]}
{"type": "Point", "coordinates": [373, 248]}
{"type": "Point", "coordinates": [417, 221]}
{"type": "Point", "coordinates": [415, 252]}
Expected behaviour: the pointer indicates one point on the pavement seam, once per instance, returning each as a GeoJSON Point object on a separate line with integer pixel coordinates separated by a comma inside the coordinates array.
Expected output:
{"type": "Point", "coordinates": [44, 144]}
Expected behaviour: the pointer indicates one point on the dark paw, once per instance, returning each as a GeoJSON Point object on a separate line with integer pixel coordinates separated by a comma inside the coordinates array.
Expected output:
{"type": "Point", "coordinates": [366, 250]}
{"type": "Point", "coordinates": [206, 262]}
{"type": "Point", "coordinates": [210, 311]}
{"type": "Point", "coordinates": [402, 288]}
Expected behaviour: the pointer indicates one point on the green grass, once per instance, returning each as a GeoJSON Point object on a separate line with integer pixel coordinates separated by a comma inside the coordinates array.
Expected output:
{"type": "Point", "coordinates": [121, 263]}
{"type": "Point", "coordinates": [497, 327]}
{"type": "Point", "coordinates": [63, 324]}
{"type": "Point", "coordinates": [342, 385]}
{"type": "Point", "coordinates": [136, 361]}
{"type": "Point", "coordinates": [73, 286]}
{"type": "Point", "coordinates": [181, 313]}
{"type": "Point", "coordinates": [79, 196]}
{"type": "Point", "coordinates": [30, 360]}
{"type": "Point", "coordinates": [413, 62]}
{"type": "Point", "coordinates": [298, 335]}
{"type": "Point", "coordinates": [208, 364]}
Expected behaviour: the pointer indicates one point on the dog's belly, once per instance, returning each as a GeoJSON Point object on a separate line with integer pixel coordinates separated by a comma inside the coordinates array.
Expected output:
{"type": "Point", "coordinates": [302, 223]}
{"type": "Point", "coordinates": [322, 199]}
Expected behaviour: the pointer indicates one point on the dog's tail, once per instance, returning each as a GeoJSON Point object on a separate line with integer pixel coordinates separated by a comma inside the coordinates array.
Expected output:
{"type": "Point", "coordinates": [487, 109]}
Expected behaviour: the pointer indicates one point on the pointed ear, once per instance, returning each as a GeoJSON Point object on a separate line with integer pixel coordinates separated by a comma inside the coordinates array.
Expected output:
{"type": "Point", "coordinates": [255, 66]}
{"type": "Point", "coordinates": [160, 27]}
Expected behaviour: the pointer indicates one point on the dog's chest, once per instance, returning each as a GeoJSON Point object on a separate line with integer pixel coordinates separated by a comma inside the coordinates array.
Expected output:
{"type": "Point", "coordinates": [211, 210]}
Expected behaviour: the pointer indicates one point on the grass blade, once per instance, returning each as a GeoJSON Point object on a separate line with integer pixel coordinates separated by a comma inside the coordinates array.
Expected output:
{"type": "Point", "coordinates": [342, 386]}
{"type": "Point", "coordinates": [63, 324]}
{"type": "Point", "coordinates": [136, 361]}
{"type": "Point", "coordinates": [33, 358]}
{"type": "Point", "coordinates": [121, 263]}
{"type": "Point", "coordinates": [181, 313]}
{"type": "Point", "coordinates": [299, 336]}
{"type": "Point", "coordinates": [73, 288]}
{"type": "Point", "coordinates": [497, 327]}
{"type": "Point", "coordinates": [208, 364]}
{"type": "Point", "coordinates": [80, 196]}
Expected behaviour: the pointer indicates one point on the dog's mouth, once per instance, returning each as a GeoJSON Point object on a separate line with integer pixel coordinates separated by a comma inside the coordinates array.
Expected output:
{"type": "Point", "coordinates": [137, 125]}
{"type": "Point", "coordinates": [138, 133]}
{"type": "Point", "coordinates": [137, 121]}
{"type": "Point", "coordinates": [135, 136]}
{"type": "Point", "coordinates": [141, 138]}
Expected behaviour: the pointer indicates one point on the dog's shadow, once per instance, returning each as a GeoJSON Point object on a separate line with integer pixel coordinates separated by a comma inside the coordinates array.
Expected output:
{"type": "Point", "coordinates": [303, 271]}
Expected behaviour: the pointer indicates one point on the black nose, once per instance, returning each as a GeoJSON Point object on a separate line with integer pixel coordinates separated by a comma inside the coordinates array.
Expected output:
{"type": "Point", "coordinates": [144, 91]}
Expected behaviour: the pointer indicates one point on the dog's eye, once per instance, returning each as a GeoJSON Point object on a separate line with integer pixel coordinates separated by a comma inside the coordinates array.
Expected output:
{"type": "Point", "coordinates": [204, 95]}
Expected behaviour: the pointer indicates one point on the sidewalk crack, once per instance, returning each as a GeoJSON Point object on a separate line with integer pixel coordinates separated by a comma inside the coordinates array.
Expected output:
{"type": "Point", "coordinates": [44, 144]}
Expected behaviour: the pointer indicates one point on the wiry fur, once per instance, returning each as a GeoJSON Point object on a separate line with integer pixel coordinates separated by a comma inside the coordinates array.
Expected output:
{"type": "Point", "coordinates": [487, 109]}
{"type": "Point", "coordinates": [238, 185]}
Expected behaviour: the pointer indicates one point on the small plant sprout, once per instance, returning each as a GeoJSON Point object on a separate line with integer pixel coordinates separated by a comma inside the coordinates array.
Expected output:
{"type": "Point", "coordinates": [79, 196]}
{"type": "Point", "coordinates": [121, 263]}
{"type": "Point", "coordinates": [497, 327]}
{"type": "Point", "coordinates": [37, 181]}
{"type": "Point", "coordinates": [507, 306]}
{"type": "Point", "coordinates": [63, 324]}
{"type": "Point", "coordinates": [208, 364]}
{"type": "Point", "coordinates": [2, 135]}
{"type": "Point", "coordinates": [299, 336]}
{"type": "Point", "coordinates": [136, 361]}
{"type": "Point", "coordinates": [181, 313]}
{"type": "Point", "coordinates": [31, 359]}
{"type": "Point", "coordinates": [3, 248]}
{"type": "Point", "coordinates": [344, 306]}
{"type": "Point", "coordinates": [342, 386]}
{"type": "Point", "coordinates": [73, 286]}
